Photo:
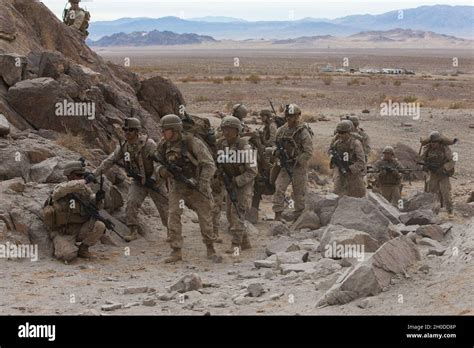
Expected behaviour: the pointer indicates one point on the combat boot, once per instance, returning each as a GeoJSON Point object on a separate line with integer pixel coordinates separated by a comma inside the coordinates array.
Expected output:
{"type": "Point", "coordinates": [246, 243]}
{"type": "Point", "coordinates": [175, 256]}
{"type": "Point", "coordinates": [212, 255]}
{"type": "Point", "coordinates": [133, 234]}
{"type": "Point", "coordinates": [84, 252]}
{"type": "Point", "coordinates": [278, 216]}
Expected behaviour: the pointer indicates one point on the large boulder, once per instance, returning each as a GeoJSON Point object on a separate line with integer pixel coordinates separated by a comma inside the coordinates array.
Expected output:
{"type": "Point", "coordinates": [362, 215]}
{"type": "Point", "coordinates": [323, 206]}
{"type": "Point", "coordinates": [160, 97]}
{"type": "Point", "coordinates": [4, 126]}
{"type": "Point", "coordinates": [420, 217]}
{"type": "Point", "coordinates": [370, 277]}
{"type": "Point", "coordinates": [336, 238]}
{"type": "Point", "coordinates": [12, 68]}
{"type": "Point", "coordinates": [308, 219]}
{"type": "Point", "coordinates": [392, 213]}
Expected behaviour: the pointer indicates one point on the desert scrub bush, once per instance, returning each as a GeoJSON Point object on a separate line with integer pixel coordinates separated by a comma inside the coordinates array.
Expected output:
{"type": "Point", "coordinates": [327, 79]}
{"type": "Point", "coordinates": [253, 78]}
{"type": "Point", "coordinates": [410, 99]}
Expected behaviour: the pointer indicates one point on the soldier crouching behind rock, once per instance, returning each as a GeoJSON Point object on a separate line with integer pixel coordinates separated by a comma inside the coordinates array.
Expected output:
{"type": "Point", "coordinates": [67, 218]}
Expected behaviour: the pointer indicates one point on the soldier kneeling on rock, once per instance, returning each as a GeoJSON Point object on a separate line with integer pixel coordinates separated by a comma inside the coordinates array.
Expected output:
{"type": "Point", "coordinates": [66, 217]}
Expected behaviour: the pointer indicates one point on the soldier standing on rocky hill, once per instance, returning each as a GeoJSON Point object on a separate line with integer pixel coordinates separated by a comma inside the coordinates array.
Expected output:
{"type": "Point", "coordinates": [135, 155]}
{"type": "Point", "coordinates": [238, 173]}
{"type": "Point", "coordinates": [438, 162]}
{"type": "Point", "coordinates": [186, 161]}
{"type": "Point", "coordinates": [77, 18]}
{"type": "Point", "coordinates": [389, 178]}
{"type": "Point", "coordinates": [294, 150]}
{"type": "Point", "coordinates": [364, 137]}
{"type": "Point", "coordinates": [67, 218]}
{"type": "Point", "coordinates": [348, 161]}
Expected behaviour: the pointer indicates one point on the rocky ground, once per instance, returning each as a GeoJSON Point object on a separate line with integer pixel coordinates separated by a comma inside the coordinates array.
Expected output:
{"type": "Point", "coordinates": [416, 262]}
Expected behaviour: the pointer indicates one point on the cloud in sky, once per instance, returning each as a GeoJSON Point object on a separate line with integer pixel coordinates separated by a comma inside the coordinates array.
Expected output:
{"type": "Point", "coordinates": [245, 9]}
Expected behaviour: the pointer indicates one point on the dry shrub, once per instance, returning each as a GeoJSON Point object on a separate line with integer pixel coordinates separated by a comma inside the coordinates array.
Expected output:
{"type": "Point", "coordinates": [74, 142]}
{"type": "Point", "coordinates": [320, 160]}
{"type": "Point", "coordinates": [254, 78]}
{"type": "Point", "coordinates": [353, 82]}
{"type": "Point", "coordinates": [327, 79]}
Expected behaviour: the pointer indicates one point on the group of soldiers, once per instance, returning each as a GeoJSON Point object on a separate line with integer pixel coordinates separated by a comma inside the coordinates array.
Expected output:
{"type": "Point", "coordinates": [186, 169]}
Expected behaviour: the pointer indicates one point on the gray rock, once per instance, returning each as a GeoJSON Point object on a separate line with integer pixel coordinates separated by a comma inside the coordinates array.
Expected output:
{"type": "Point", "coordinates": [370, 277]}
{"type": "Point", "coordinates": [149, 302]}
{"type": "Point", "coordinates": [392, 213]}
{"type": "Point", "coordinates": [278, 228]}
{"type": "Point", "coordinates": [407, 229]}
{"type": "Point", "coordinates": [12, 68]}
{"type": "Point", "coordinates": [43, 172]}
{"type": "Point", "coordinates": [420, 217]}
{"type": "Point", "coordinates": [307, 267]}
{"type": "Point", "coordinates": [255, 289]}
{"type": "Point", "coordinates": [265, 263]}
{"type": "Point", "coordinates": [421, 200]}
{"type": "Point", "coordinates": [323, 206]}
{"type": "Point", "coordinates": [4, 126]}
{"type": "Point", "coordinates": [325, 267]}
{"type": "Point", "coordinates": [282, 244]}
{"type": "Point", "coordinates": [135, 290]}
{"type": "Point", "coordinates": [292, 257]}
{"type": "Point", "coordinates": [111, 307]}
{"type": "Point", "coordinates": [362, 215]}
{"type": "Point", "coordinates": [337, 239]}
{"type": "Point", "coordinates": [430, 242]}
{"type": "Point", "coordinates": [187, 283]}
{"type": "Point", "coordinates": [431, 231]}
{"type": "Point", "coordinates": [308, 219]}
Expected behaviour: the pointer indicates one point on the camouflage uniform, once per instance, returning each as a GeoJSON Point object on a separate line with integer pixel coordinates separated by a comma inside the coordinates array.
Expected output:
{"type": "Point", "coordinates": [242, 176]}
{"type": "Point", "coordinates": [190, 154]}
{"type": "Point", "coordinates": [351, 184]}
{"type": "Point", "coordinates": [77, 19]}
{"type": "Point", "coordinates": [438, 181]}
{"type": "Point", "coordinates": [389, 181]}
{"type": "Point", "coordinates": [299, 147]}
{"type": "Point", "coordinates": [69, 221]}
{"type": "Point", "coordinates": [137, 158]}
{"type": "Point", "coordinates": [362, 136]}
{"type": "Point", "coordinates": [269, 131]}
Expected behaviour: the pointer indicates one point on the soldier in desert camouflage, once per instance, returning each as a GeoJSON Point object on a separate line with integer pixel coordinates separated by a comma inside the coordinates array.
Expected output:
{"type": "Point", "coordinates": [135, 155]}
{"type": "Point", "coordinates": [67, 218]}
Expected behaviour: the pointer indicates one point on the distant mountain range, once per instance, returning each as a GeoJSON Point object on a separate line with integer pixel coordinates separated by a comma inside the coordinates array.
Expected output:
{"type": "Point", "coordinates": [367, 39]}
{"type": "Point", "coordinates": [443, 19]}
{"type": "Point", "coordinates": [155, 37]}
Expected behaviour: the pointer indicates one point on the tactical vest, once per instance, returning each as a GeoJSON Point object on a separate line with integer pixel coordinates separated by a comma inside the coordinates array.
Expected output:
{"type": "Point", "coordinates": [64, 212]}
{"type": "Point", "coordinates": [138, 163]}
{"type": "Point", "coordinates": [180, 154]}
{"type": "Point", "coordinates": [389, 178]}
{"type": "Point", "coordinates": [438, 156]}
{"type": "Point", "coordinates": [234, 169]}
{"type": "Point", "coordinates": [346, 147]}
{"type": "Point", "coordinates": [288, 139]}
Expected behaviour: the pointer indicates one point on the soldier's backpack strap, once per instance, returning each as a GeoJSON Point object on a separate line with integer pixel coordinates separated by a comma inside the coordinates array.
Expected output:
{"type": "Point", "coordinates": [187, 148]}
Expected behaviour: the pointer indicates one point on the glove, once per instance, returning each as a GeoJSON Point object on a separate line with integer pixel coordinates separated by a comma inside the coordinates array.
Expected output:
{"type": "Point", "coordinates": [99, 196]}
{"type": "Point", "coordinates": [164, 173]}
{"type": "Point", "coordinates": [89, 177]}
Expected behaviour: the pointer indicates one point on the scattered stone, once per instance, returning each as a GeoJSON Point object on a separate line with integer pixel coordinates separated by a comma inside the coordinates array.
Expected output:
{"type": "Point", "coordinates": [309, 245]}
{"type": "Point", "coordinates": [292, 257]}
{"type": "Point", "coordinates": [325, 267]}
{"type": "Point", "coordinates": [255, 289]}
{"type": "Point", "coordinates": [430, 242]}
{"type": "Point", "coordinates": [149, 302]}
{"type": "Point", "coordinates": [265, 263]}
{"type": "Point", "coordinates": [407, 229]}
{"type": "Point", "coordinates": [269, 274]}
{"type": "Point", "coordinates": [420, 217]}
{"type": "Point", "coordinates": [297, 267]}
{"type": "Point", "coordinates": [276, 296]}
{"type": "Point", "coordinates": [131, 304]}
{"type": "Point", "coordinates": [242, 300]}
{"type": "Point", "coordinates": [167, 297]}
{"type": "Point", "coordinates": [424, 269]}
{"type": "Point", "coordinates": [431, 231]}
{"type": "Point", "coordinates": [308, 219]}
{"type": "Point", "coordinates": [392, 213]}
{"type": "Point", "coordinates": [278, 228]}
{"type": "Point", "coordinates": [135, 290]}
{"type": "Point", "coordinates": [187, 283]}
{"type": "Point", "coordinates": [363, 303]}
{"type": "Point", "coordinates": [412, 236]}
{"type": "Point", "coordinates": [361, 215]}
{"type": "Point", "coordinates": [436, 252]}
{"type": "Point", "coordinates": [282, 244]}
{"type": "Point", "coordinates": [446, 227]}
{"type": "Point", "coordinates": [372, 276]}
{"type": "Point", "coordinates": [111, 307]}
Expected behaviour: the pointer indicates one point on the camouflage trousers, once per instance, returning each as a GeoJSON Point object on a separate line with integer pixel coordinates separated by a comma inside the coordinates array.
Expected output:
{"type": "Point", "coordinates": [218, 196]}
{"type": "Point", "coordinates": [350, 185]}
{"type": "Point", "coordinates": [137, 194]}
{"type": "Point", "coordinates": [64, 239]}
{"type": "Point", "coordinates": [391, 193]}
{"type": "Point", "coordinates": [181, 195]}
{"type": "Point", "coordinates": [441, 185]}
{"type": "Point", "coordinates": [299, 184]}
{"type": "Point", "coordinates": [237, 226]}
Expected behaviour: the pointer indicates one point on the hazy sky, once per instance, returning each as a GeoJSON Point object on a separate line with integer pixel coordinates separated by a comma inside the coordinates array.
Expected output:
{"type": "Point", "coordinates": [245, 9]}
